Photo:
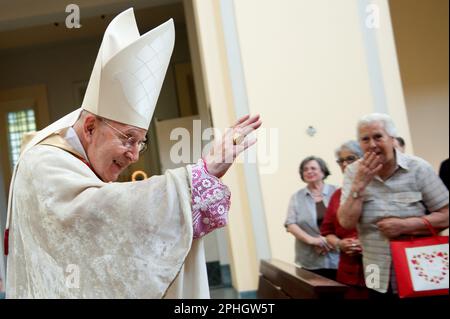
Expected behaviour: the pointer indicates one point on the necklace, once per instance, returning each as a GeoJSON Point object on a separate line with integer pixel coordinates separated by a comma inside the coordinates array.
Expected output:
{"type": "Point", "coordinates": [316, 192]}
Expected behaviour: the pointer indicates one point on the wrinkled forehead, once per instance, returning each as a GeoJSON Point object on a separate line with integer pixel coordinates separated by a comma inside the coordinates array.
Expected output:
{"type": "Point", "coordinates": [130, 129]}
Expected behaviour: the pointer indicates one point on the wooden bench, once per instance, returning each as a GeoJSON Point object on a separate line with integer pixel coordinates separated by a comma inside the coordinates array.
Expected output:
{"type": "Point", "coordinates": [281, 280]}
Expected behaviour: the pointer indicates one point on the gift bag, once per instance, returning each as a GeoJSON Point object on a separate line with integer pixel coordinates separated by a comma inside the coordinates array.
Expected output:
{"type": "Point", "coordinates": [421, 265]}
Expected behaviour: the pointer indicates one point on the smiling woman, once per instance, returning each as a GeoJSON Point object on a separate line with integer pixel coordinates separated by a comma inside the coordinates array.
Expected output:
{"type": "Point", "coordinates": [305, 215]}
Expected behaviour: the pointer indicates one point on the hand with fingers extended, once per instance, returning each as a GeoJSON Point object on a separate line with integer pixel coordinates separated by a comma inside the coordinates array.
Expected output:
{"type": "Point", "coordinates": [226, 149]}
{"type": "Point", "coordinates": [368, 167]}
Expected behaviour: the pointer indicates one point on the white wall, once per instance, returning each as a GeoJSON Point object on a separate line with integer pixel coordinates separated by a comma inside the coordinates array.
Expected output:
{"type": "Point", "coordinates": [421, 36]}
{"type": "Point", "coordinates": [304, 63]}
{"type": "Point", "coordinates": [313, 63]}
{"type": "Point", "coordinates": [307, 67]}
{"type": "Point", "coordinates": [299, 63]}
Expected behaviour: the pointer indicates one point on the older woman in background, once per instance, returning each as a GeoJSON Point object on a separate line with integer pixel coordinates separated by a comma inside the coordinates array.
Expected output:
{"type": "Point", "coordinates": [350, 269]}
{"type": "Point", "coordinates": [306, 212]}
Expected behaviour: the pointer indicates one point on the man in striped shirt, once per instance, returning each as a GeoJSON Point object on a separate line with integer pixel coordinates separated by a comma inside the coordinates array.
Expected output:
{"type": "Point", "coordinates": [385, 194]}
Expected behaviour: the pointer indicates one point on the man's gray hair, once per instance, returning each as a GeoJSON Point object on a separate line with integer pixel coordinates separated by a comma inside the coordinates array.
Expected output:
{"type": "Point", "coordinates": [352, 146]}
{"type": "Point", "coordinates": [385, 119]}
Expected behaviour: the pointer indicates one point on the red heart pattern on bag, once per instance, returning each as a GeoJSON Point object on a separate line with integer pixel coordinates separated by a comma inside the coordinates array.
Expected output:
{"type": "Point", "coordinates": [423, 260]}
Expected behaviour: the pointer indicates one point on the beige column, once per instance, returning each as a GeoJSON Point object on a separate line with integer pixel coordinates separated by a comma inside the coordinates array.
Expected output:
{"type": "Point", "coordinates": [214, 69]}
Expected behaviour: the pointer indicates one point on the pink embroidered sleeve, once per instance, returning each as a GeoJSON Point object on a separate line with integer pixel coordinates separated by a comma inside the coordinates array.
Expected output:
{"type": "Point", "coordinates": [210, 201]}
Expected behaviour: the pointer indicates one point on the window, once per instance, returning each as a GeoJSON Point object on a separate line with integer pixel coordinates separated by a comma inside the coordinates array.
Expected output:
{"type": "Point", "coordinates": [22, 109]}
{"type": "Point", "coordinates": [19, 122]}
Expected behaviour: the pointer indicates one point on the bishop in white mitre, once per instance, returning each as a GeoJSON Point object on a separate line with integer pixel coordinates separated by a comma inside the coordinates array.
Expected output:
{"type": "Point", "coordinates": [66, 213]}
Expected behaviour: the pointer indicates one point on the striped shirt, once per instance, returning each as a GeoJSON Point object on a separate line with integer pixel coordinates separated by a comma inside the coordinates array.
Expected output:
{"type": "Point", "coordinates": [409, 192]}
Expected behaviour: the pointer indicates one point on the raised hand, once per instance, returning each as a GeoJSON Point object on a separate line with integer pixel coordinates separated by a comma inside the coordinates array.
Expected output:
{"type": "Point", "coordinates": [369, 166]}
{"type": "Point", "coordinates": [225, 150]}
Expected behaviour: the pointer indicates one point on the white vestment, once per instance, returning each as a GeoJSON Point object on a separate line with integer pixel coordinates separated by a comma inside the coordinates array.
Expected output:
{"type": "Point", "coordinates": [75, 236]}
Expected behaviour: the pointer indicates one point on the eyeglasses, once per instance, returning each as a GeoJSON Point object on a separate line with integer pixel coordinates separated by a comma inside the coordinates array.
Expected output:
{"type": "Point", "coordinates": [349, 159]}
{"type": "Point", "coordinates": [127, 140]}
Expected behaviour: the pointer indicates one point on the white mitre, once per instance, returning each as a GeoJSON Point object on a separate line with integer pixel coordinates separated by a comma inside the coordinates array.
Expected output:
{"type": "Point", "coordinates": [129, 71]}
{"type": "Point", "coordinates": [127, 77]}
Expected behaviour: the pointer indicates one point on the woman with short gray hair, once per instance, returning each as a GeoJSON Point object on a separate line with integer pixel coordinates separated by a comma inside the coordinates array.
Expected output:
{"type": "Point", "coordinates": [389, 195]}
{"type": "Point", "coordinates": [384, 119]}
{"type": "Point", "coordinates": [350, 268]}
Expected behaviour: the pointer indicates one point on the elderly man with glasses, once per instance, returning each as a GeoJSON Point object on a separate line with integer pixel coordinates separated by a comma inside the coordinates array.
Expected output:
{"type": "Point", "coordinates": [72, 231]}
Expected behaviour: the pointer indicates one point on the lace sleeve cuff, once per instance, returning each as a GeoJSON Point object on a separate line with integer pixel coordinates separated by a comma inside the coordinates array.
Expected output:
{"type": "Point", "coordinates": [210, 201]}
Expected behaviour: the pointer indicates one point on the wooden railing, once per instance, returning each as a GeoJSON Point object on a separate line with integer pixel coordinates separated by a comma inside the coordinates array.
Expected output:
{"type": "Point", "coordinates": [281, 280]}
